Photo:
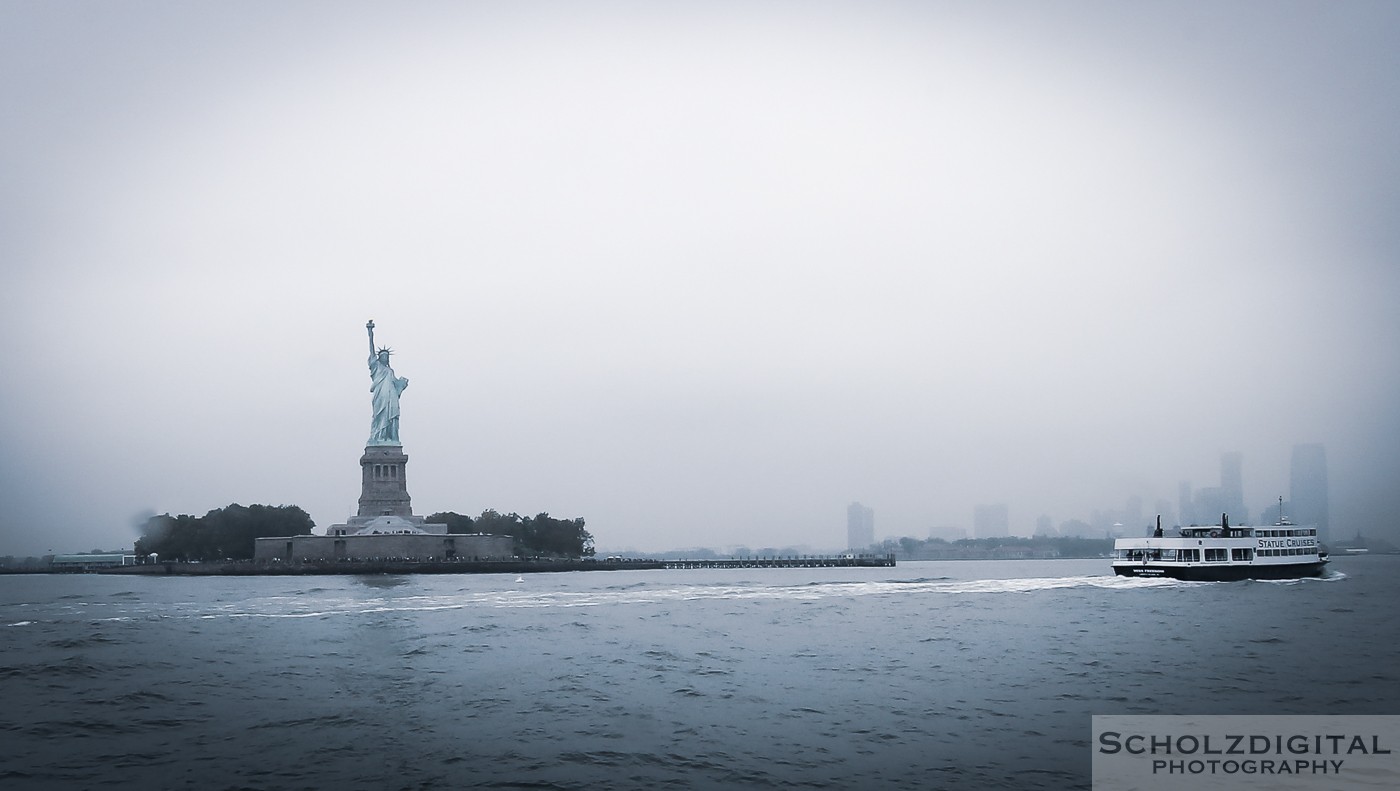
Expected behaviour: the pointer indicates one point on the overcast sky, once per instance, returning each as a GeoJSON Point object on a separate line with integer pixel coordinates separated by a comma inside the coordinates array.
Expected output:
{"type": "Point", "coordinates": [700, 273]}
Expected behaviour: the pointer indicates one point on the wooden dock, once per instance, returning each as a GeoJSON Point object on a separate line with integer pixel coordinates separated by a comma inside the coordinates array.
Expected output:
{"type": "Point", "coordinates": [783, 562]}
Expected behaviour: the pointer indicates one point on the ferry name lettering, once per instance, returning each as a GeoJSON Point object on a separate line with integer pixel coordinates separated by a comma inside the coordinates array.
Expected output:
{"type": "Point", "coordinates": [1280, 543]}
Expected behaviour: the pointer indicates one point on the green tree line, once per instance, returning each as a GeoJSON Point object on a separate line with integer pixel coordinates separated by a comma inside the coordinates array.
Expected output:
{"type": "Point", "coordinates": [223, 533]}
{"type": "Point", "coordinates": [541, 535]}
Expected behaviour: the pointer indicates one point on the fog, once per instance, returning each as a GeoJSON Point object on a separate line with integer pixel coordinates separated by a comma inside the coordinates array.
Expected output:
{"type": "Point", "coordinates": [700, 273]}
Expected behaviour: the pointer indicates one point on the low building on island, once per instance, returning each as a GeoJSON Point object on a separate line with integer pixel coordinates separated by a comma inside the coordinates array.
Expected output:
{"type": "Point", "coordinates": [385, 538]}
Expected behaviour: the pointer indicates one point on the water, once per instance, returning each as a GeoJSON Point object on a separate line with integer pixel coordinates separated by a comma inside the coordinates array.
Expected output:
{"type": "Point", "coordinates": [928, 675]}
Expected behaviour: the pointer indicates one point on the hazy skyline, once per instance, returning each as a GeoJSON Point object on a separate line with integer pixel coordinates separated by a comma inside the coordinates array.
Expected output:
{"type": "Point", "coordinates": [702, 274]}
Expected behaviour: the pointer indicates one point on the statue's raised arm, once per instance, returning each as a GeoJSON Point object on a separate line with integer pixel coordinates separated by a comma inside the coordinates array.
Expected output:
{"type": "Point", "coordinates": [384, 388]}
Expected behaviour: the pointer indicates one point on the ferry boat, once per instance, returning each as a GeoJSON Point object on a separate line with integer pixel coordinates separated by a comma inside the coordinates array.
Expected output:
{"type": "Point", "coordinates": [1219, 553]}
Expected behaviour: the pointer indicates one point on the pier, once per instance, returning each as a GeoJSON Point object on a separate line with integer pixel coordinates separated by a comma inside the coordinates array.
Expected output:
{"type": "Point", "coordinates": [785, 562]}
{"type": "Point", "coordinates": [519, 566]}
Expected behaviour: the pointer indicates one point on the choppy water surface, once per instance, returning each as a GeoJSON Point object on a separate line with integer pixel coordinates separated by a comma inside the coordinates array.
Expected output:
{"type": "Point", "coordinates": [928, 675]}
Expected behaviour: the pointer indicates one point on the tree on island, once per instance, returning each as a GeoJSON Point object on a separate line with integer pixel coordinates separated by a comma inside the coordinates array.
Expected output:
{"type": "Point", "coordinates": [541, 534]}
{"type": "Point", "coordinates": [222, 534]}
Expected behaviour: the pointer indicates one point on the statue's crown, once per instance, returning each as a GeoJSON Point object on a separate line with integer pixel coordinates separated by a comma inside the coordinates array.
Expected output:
{"type": "Point", "coordinates": [385, 350]}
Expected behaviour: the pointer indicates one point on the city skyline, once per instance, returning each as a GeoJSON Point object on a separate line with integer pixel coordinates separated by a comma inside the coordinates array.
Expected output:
{"type": "Point", "coordinates": [1307, 493]}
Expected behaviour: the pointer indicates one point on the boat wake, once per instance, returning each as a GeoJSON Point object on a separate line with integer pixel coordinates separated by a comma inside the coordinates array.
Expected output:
{"type": "Point", "coordinates": [518, 598]}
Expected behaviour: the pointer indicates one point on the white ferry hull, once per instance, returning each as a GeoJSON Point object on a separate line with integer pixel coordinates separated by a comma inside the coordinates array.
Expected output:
{"type": "Point", "coordinates": [1222, 573]}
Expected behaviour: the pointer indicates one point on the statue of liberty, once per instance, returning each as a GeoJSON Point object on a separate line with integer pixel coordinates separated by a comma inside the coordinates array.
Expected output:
{"type": "Point", "coordinates": [384, 428]}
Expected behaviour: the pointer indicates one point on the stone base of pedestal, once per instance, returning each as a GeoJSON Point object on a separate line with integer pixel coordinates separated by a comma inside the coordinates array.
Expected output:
{"type": "Point", "coordinates": [384, 482]}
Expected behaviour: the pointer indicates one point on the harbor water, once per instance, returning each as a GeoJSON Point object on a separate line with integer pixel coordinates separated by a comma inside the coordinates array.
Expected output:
{"type": "Point", "coordinates": [927, 675]}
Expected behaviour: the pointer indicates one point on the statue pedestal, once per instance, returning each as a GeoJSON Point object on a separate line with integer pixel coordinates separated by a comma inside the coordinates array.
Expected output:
{"type": "Point", "coordinates": [385, 507]}
{"type": "Point", "coordinates": [384, 482]}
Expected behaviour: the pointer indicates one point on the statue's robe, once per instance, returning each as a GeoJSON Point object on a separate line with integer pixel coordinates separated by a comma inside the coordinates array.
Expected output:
{"type": "Point", "coordinates": [384, 429]}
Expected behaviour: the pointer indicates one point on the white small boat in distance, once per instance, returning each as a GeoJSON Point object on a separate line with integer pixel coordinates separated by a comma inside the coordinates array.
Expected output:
{"type": "Point", "coordinates": [1219, 553]}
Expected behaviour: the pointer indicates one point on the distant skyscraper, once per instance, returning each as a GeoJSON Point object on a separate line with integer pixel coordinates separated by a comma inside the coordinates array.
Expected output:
{"type": "Point", "coordinates": [1185, 504]}
{"type": "Point", "coordinates": [991, 521]}
{"type": "Point", "coordinates": [1232, 486]}
{"type": "Point", "coordinates": [860, 526]}
{"type": "Point", "coordinates": [1044, 525]}
{"type": "Point", "coordinates": [1308, 488]}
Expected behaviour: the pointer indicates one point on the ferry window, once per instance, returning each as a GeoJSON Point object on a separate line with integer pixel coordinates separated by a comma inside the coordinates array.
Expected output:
{"type": "Point", "coordinates": [1190, 555]}
{"type": "Point", "coordinates": [1241, 553]}
{"type": "Point", "coordinates": [1169, 554]}
{"type": "Point", "coordinates": [1214, 555]}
